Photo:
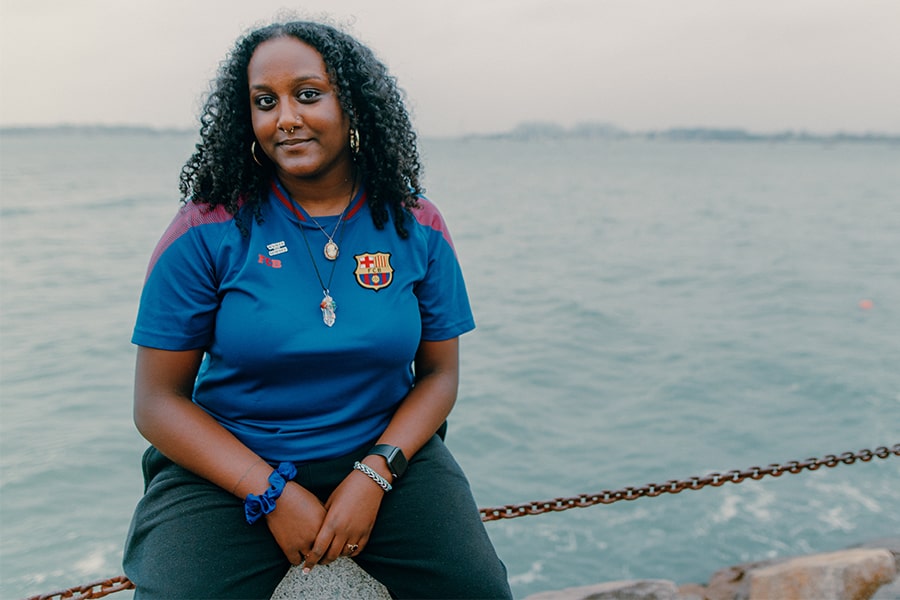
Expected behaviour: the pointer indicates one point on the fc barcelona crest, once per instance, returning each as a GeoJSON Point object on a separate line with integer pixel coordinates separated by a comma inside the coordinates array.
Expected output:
{"type": "Point", "coordinates": [373, 270]}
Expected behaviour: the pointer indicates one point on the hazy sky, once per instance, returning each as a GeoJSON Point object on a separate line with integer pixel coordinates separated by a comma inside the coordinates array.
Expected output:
{"type": "Point", "coordinates": [483, 65]}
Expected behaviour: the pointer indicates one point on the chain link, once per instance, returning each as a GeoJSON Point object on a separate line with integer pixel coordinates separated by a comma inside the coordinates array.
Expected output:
{"type": "Point", "coordinates": [97, 589]}
{"type": "Point", "coordinates": [674, 486]}
{"type": "Point", "coordinates": [105, 587]}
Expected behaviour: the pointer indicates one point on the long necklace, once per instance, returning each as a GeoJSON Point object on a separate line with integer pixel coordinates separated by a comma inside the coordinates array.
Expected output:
{"type": "Point", "coordinates": [331, 248]}
{"type": "Point", "coordinates": [327, 305]}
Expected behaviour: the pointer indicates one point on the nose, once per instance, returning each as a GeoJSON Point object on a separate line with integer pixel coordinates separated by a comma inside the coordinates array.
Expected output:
{"type": "Point", "coordinates": [288, 119]}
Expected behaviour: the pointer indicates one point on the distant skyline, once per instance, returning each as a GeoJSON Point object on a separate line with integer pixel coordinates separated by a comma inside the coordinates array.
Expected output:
{"type": "Point", "coordinates": [483, 66]}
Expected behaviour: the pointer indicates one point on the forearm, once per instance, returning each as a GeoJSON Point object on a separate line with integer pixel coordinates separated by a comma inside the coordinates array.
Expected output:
{"type": "Point", "coordinates": [193, 439]}
{"type": "Point", "coordinates": [353, 506]}
{"type": "Point", "coordinates": [184, 432]}
{"type": "Point", "coordinates": [427, 405]}
{"type": "Point", "coordinates": [421, 413]}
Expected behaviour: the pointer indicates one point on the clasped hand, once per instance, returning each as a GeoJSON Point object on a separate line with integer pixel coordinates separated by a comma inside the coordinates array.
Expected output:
{"type": "Point", "coordinates": [314, 533]}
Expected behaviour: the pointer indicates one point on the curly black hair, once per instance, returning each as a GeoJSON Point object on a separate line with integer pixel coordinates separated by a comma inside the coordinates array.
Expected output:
{"type": "Point", "coordinates": [222, 171]}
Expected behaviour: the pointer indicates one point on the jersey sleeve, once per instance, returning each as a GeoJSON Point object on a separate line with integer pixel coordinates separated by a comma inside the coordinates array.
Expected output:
{"type": "Point", "coordinates": [443, 299]}
{"type": "Point", "coordinates": [179, 300]}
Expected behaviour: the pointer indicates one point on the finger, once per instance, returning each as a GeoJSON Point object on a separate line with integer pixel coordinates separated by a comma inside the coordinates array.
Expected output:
{"type": "Point", "coordinates": [318, 551]}
{"type": "Point", "coordinates": [312, 559]}
{"type": "Point", "coordinates": [295, 558]}
{"type": "Point", "coordinates": [335, 551]}
{"type": "Point", "coordinates": [361, 542]}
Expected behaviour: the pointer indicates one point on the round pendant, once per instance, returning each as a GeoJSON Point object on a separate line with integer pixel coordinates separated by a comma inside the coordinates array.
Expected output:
{"type": "Point", "coordinates": [331, 250]}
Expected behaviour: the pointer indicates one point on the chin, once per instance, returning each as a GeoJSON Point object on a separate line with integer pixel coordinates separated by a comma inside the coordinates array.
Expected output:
{"type": "Point", "coordinates": [300, 171]}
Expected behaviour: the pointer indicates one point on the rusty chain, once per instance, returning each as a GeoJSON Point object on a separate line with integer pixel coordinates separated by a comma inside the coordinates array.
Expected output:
{"type": "Point", "coordinates": [674, 486]}
{"type": "Point", "coordinates": [105, 587]}
{"type": "Point", "coordinates": [97, 589]}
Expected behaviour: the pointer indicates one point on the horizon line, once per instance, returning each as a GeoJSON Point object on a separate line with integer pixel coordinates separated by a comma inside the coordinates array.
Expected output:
{"type": "Point", "coordinates": [521, 129]}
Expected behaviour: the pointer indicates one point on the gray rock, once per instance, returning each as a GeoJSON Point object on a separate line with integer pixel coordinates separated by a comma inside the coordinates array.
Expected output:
{"type": "Point", "coordinates": [846, 575]}
{"type": "Point", "coordinates": [733, 583]}
{"type": "Point", "coordinates": [852, 574]}
{"type": "Point", "coordinates": [340, 580]}
{"type": "Point", "coordinates": [691, 591]}
{"type": "Point", "coordinates": [649, 589]}
{"type": "Point", "coordinates": [888, 543]}
{"type": "Point", "coordinates": [891, 591]}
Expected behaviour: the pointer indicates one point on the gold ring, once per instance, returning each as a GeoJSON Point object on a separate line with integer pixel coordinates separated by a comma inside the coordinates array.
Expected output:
{"type": "Point", "coordinates": [352, 548]}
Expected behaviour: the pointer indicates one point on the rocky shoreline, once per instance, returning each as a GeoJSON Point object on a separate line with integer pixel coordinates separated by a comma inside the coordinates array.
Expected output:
{"type": "Point", "coordinates": [863, 572]}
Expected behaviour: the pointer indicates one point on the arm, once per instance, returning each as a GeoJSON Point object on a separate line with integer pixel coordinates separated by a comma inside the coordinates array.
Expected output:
{"type": "Point", "coordinates": [354, 504]}
{"type": "Point", "coordinates": [427, 405]}
{"type": "Point", "coordinates": [167, 417]}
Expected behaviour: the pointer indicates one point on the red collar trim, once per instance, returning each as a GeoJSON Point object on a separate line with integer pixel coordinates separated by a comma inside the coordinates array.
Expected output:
{"type": "Point", "coordinates": [356, 204]}
{"type": "Point", "coordinates": [284, 200]}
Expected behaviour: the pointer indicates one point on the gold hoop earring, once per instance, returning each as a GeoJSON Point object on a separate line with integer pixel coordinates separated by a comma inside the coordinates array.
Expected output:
{"type": "Point", "coordinates": [253, 153]}
{"type": "Point", "coordinates": [354, 140]}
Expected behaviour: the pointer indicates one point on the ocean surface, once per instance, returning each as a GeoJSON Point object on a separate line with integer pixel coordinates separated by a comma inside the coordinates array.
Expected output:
{"type": "Point", "coordinates": [647, 311]}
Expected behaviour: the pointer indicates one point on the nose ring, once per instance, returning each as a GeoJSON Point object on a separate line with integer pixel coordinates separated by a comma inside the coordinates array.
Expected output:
{"type": "Point", "coordinates": [288, 131]}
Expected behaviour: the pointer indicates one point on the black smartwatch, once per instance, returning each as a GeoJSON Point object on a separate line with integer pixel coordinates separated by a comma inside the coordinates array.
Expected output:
{"type": "Point", "coordinates": [394, 456]}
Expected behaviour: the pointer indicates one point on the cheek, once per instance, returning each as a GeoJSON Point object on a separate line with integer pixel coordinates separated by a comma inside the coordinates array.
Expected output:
{"type": "Point", "coordinates": [263, 126]}
{"type": "Point", "coordinates": [340, 128]}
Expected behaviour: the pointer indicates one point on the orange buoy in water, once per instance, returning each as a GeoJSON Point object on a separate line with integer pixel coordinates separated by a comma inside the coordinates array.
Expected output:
{"type": "Point", "coordinates": [866, 304]}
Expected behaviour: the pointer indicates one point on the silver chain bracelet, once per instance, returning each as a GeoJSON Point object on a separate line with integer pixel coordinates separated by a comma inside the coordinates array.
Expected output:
{"type": "Point", "coordinates": [373, 475]}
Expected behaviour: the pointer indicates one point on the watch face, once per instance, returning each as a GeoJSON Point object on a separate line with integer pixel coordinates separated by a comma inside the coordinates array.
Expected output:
{"type": "Point", "coordinates": [394, 456]}
{"type": "Point", "coordinates": [398, 462]}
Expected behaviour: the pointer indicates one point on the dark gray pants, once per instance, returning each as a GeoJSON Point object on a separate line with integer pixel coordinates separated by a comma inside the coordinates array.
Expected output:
{"type": "Point", "coordinates": [189, 539]}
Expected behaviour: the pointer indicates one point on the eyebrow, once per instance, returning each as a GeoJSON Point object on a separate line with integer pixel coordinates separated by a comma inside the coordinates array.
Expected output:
{"type": "Point", "coordinates": [296, 81]}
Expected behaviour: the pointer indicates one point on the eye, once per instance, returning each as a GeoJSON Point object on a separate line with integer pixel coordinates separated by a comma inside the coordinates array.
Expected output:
{"type": "Point", "coordinates": [308, 95]}
{"type": "Point", "coordinates": [264, 102]}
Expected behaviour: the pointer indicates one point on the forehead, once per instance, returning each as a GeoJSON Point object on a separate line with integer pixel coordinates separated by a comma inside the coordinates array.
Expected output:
{"type": "Point", "coordinates": [285, 56]}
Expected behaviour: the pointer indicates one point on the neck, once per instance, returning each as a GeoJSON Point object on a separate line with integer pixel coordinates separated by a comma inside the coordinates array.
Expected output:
{"type": "Point", "coordinates": [321, 198]}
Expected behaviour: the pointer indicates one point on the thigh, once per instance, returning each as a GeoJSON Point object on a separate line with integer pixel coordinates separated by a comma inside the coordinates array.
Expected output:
{"type": "Point", "coordinates": [189, 539]}
{"type": "Point", "coordinates": [429, 541]}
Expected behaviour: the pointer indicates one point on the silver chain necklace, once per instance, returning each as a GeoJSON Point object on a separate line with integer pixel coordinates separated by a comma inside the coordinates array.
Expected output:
{"type": "Point", "coordinates": [331, 249]}
{"type": "Point", "coordinates": [327, 305]}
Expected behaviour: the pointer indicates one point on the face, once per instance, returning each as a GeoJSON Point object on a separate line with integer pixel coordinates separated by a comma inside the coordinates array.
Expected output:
{"type": "Point", "coordinates": [296, 115]}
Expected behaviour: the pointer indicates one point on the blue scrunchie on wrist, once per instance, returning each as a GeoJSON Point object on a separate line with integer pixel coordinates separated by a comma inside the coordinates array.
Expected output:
{"type": "Point", "coordinates": [257, 506]}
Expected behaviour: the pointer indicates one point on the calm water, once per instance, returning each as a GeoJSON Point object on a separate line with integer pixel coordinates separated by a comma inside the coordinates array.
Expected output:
{"type": "Point", "coordinates": [647, 311]}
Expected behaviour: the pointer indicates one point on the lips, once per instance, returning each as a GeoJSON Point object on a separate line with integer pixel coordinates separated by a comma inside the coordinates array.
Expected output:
{"type": "Point", "coordinates": [294, 142]}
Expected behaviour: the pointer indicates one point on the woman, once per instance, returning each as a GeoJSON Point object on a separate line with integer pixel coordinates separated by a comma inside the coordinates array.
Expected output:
{"type": "Point", "coordinates": [298, 343]}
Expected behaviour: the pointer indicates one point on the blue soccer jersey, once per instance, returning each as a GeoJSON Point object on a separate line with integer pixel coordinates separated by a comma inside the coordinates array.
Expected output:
{"type": "Point", "coordinates": [289, 386]}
